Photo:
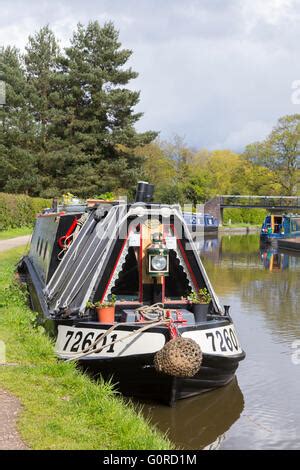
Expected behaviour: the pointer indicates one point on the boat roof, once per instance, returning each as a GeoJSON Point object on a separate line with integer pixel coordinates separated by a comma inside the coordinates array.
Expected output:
{"type": "Point", "coordinates": [106, 236]}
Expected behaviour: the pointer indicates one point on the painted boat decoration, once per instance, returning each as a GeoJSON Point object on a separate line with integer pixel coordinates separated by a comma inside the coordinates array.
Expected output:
{"type": "Point", "coordinates": [198, 222]}
{"type": "Point", "coordinates": [276, 227]}
{"type": "Point", "coordinates": [140, 261]}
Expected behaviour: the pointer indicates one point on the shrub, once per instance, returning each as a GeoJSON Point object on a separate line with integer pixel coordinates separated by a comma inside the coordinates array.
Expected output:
{"type": "Point", "coordinates": [19, 210]}
{"type": "Point", "coordinates": [244, 216]}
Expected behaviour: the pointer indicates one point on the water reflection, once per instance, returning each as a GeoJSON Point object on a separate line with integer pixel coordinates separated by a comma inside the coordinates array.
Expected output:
{"type": "Point", "coordinates": [274, 260]}
{"type": "Point", "coordinates": [202, 421]}
{"type": "Point", "coordinates": [251, 277]}
{"type": "Point", "coordinates": [262, 287]}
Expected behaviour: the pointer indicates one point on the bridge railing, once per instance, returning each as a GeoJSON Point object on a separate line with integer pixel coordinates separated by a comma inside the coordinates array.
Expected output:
{"type": "Point", "coordinates": [260, 201]}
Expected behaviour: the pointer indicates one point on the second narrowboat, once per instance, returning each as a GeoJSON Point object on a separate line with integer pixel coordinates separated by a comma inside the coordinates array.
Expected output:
{"type": "Point", "coordinates": [198, 222]}
{"type": "Point", "coordinates": [278, 226]}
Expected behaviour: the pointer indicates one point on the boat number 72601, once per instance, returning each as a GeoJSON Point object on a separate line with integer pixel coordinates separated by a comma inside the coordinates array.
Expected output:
{"type": "Point", "coordinates": [78, 341]}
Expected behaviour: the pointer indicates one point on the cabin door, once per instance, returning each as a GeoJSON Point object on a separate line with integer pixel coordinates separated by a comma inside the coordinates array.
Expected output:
{"type": "Point", "coordinates": [276, 223]}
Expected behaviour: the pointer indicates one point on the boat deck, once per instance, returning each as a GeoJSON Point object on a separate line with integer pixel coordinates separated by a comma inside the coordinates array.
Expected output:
{"type": "Point", "coordinates": [292, 244]}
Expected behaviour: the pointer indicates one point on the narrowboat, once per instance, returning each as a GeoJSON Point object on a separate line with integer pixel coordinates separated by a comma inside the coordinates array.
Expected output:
{"type": "Point", "coordinates": [276, 227]}
{"type": "Point", "coordinates": [198, 222]}
{"type": "Point", "coordinates": [113, 282]}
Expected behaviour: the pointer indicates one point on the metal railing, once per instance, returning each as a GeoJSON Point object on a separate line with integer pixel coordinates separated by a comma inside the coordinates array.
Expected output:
{"type": "Point", "coordinates": [292, 202]}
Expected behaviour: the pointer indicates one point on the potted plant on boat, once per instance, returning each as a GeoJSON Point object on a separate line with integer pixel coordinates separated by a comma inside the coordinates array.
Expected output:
{"type": "Point", "coordinates": [200, 304]}
{"type": "Point", "coordinates": [105, 310]}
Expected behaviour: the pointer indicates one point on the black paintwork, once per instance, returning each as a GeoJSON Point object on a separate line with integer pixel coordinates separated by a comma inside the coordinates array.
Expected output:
{"type": "Point", "coordinates": [135, 375]}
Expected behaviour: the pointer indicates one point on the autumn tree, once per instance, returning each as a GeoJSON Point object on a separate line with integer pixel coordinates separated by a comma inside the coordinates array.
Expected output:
{"type": "Point", "coordinates": [280, 153]}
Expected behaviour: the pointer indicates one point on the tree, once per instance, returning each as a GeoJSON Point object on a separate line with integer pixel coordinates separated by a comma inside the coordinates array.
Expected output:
{"type": "Point", "coordinates": [100, 115]}
{"type": "Point", "coordinates": [44, 79]}
{"type": "Point", "coordinates": [17, 132]}
{"type": "Point", "coordinates": [157, 167]}
{"type": "Point", "coordinates": [69, 123]}
{"type": "Point", "coordinates": [181, 155]}
{"type": "Point", "coordinates": [280, 153]}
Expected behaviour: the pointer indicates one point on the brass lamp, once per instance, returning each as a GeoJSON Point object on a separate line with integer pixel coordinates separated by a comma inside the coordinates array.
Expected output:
{"type": "Point", "coordinates": [158, 257]}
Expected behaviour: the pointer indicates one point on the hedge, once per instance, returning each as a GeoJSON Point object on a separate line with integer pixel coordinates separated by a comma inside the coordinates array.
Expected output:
{"type": "Point", "coordinates": [244, 216]}
{"type": "Point", "coordinates": [19, 210]}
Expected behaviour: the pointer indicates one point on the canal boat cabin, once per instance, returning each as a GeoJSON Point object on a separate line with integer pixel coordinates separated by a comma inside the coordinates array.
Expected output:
{"type": "Point", "coordinates": [198, 222]}
{"type": "Point", "coordinates": [119, 285]}
{"type": "Point", "coordinates": [280, 226]}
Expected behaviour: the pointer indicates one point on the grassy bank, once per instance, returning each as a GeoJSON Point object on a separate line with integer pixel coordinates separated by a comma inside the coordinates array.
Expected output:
{"type": "Point", "coordinates": [15, 232]}
{"type": "Point", "coordinates": [62, 408]}
{"type": "Point", "coordinates": [241, 225]}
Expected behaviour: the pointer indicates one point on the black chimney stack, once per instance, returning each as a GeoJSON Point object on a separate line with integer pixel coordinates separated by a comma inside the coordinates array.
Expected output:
{"type": "Point", "coordinates": [144, 192]}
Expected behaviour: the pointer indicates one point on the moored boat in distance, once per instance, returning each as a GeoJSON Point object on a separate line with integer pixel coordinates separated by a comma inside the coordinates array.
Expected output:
{"type": "Point", "coordinates": [198, 222]}
{"type": "Point", "coordinates": [158, 340]}
{"type": "Point", "coordinates": [276, 227]}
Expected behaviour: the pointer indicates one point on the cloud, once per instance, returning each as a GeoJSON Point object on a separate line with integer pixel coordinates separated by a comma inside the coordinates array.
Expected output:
{"type": "Point", "coordinates": [215, 72]}
{"type": "Point", "coordinates": [252, 131]}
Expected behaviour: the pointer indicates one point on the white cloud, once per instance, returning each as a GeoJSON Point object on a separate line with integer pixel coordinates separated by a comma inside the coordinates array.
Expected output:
{"type": "Point", "coordinates": [218, 72]}
{"type": "Point", "coordinates": [252, 131]}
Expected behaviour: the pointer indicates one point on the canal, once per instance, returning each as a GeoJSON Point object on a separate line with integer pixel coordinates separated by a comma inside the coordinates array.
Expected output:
{"type": "Point", "coordinates": [261, 408]}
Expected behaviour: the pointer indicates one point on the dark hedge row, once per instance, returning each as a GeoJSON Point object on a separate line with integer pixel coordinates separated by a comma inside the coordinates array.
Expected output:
{"type": "Point", "coordinates": [19, 210]}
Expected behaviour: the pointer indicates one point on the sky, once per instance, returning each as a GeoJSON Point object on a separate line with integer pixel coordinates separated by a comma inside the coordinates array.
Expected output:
{"type": "Point", "coordinates": [219, 73]}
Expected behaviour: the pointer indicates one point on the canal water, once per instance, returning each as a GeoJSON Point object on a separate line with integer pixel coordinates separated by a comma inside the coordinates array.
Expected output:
{"type": "Point", "coordinates": [261, 408]}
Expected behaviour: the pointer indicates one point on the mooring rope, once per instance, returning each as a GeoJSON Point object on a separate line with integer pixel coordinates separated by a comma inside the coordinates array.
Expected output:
{"type": "Point", "coordinates": [86, 352]}
{"type": "Point", "coordinates": [179, 357]}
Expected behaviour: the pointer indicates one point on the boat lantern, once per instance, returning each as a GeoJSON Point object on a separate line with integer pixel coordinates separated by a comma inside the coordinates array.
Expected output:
{"type": "Point", "coordinates": [158, 257]}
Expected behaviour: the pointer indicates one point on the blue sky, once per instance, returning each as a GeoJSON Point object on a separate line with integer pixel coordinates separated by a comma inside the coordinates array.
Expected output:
{"type": "Point", "coordinates": [219, 73]}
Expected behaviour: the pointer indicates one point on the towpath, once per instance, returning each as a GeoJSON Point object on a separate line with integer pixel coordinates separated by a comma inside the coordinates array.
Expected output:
{"type": "Point", "coordinates": [9, 410]}
{"type": "Point", "coordinates": [14, 242]}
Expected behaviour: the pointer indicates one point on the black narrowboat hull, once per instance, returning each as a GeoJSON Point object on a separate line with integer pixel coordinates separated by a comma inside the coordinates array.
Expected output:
{"type": "Point", "coordinates": [80, 260]}
{"type": "Point", "coordinates": [136, 376]}
{"type": "Point", "coordinates": [203, 229]}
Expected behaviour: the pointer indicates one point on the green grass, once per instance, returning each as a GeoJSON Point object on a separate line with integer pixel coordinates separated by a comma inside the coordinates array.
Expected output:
{"type": "Point", "coordinates": [15, 232]}
{"type": "Point", "coordinates": [62, 407]}
{"type": "Point", "coordinates": [241, 225]}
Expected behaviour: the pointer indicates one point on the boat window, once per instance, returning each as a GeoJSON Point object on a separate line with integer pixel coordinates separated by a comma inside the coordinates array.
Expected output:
{"type": "Point", "coordinates": [38, 245]}
{"type": "Point", "coordinates": [295, 225]}
{"type": "Point", "coordinates": [41, 247]}
{"type": "Point", "coordinates": [127, 284]}
{"type": "Point", "coordinates": [45, 250]}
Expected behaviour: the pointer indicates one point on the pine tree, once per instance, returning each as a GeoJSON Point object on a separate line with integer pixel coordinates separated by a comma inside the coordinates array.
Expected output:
{"type": "Point", "coordinates": [69, 121]}
{"type": "Point", "coordinates": [44, 79]}
{"type": "Point", "coordinates": [100, 110]}
{"type": "Point", "coordinates": [17, 132]}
